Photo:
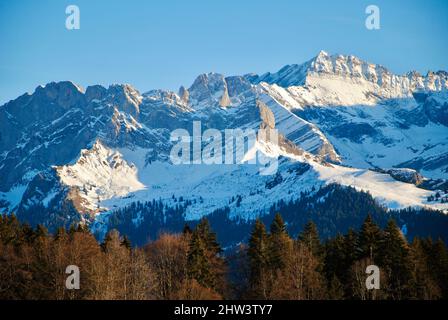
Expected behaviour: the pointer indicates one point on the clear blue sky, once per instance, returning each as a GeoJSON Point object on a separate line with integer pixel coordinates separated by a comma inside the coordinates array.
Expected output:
{"type": "Point", "coordinates": [167, 43]}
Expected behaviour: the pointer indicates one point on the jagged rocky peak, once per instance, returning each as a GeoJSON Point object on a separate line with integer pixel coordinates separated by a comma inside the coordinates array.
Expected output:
{"type": "Point", "coordinates": [210, 88]}
{"type": "Point", "coordinates": [58, 86]}
{"type": "Point", "coordinates": [99, 173]}
{"type": "Point", "coordinates": [340, 64]}
{"type": "Point", "coordinates": [47, 103]}
{"type": "Point", "coordinates": [353, 67]}
{"type": "Point", "coordinates": [184, 94]}
{"type": "Point", "coordinates": [125, 90]}
{"type": "Point", "coordinates": [321, 63]}
{"type": "Point", "coordinates": [162, 101]}
{"type": "Point", "coordinates": [64, 93]}
{"type": "Point", "coordinates": [349, 66]}
{"type": "Point", "coordinates": [97, 150]}
{"type": "Point", "coordinates": [346, 67]}
{"type": "Point", "coordinates": [215, 89]}
{"type": "Point", "coordinates": [125, 97]}
{"type": "Point", "coordinates": [95, 92]}
{"type": "Point", "coordinates": [266, 115]}
{"type": "Point", "coordinates": [206, 84]}
{"type": "Point", "coordinates": [237, 85]}
{"type": "Point", "coordinates": [225, 99]}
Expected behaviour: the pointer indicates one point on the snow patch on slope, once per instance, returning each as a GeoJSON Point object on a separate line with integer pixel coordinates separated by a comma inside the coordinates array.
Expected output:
{"type": "Point", "coordinates": [392, 193]}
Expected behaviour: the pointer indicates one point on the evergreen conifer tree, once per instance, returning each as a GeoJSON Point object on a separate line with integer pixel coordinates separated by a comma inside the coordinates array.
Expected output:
{"type": "Point", "coordinates": [125, 242]}
{"type": "Point", "coordinates": [280, 244]}
{"type": "Point", "coordinates": [258, 256]}
{"type": "Point", "coordinates": [204, 262]}
{"type": "Point", "coordinates": [395, 260]}
{"type": "Point", "coordinates": [310, 238]}
{"type": "Point", "coordinates": [369, 239]}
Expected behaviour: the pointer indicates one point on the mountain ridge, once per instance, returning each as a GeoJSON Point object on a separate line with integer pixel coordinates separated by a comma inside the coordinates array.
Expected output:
{"type": "Point", "coordinates": [337, 125]}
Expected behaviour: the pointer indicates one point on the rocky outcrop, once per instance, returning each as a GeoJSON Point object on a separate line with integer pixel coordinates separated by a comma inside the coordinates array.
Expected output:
{"type": "Point", "coordinates": [406, 175]}
{"type": "Point", "coordinates": [435, 107]}
{"type": "Point", "coordinates": [184, 94]}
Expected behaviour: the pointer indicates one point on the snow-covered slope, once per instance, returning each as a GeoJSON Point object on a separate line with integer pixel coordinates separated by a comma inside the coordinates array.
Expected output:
{"type": "Point", "coordinates": [211, 187]}
{"type": "Point", "coordinates": [345, 72]}
{"type": "Point", "coordinates": [100, 173]}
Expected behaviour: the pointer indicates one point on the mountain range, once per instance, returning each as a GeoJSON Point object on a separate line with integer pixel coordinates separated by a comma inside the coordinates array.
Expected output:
{"type": "Point", "coordinates": [69, 155]}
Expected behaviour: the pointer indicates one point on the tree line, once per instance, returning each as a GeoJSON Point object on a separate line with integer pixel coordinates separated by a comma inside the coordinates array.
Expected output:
{"type": "Point", "coordinates": [192, 265]}
{"type": "Point", "coordinates": [333, 208]}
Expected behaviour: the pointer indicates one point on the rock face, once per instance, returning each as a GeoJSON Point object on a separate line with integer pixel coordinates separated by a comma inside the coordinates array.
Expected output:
{"type": "Point", "coordinates": [95, 92]}
{"type": "Point", "coordinates": [184, 94]}
{"type": "Point", "coordinates": [266, 115]}
{"type": "Point", "coordinates": [225, 99]}
{"type": "Point", "coordinates": [208, 89]}
{"type": "Point", "coordinates": [406, 175]}
{"type": "Point", "coordinates": [435, 107]}
{"type": "Point", "coordinates": [83, 153]}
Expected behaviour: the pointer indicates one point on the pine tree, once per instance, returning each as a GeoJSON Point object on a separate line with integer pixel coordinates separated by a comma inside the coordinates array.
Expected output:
{"type": "Point", "coordinates": [107, 239]}
{"type": "Point", "coordinates": [125, 242]}
{"type": "Point", "coordinates": [335, 289]}
{"type": "Point", "coordinates": [205, 233]}
{"type": "Point", "coordinates": [199, 267]}
{"type": "Point", "coordinates": [335, 265]}
{"type": "Point", "coordinates": [41, 231]}
{"type": "Point", "coordinates": [9, 229]}
{"type": "Point", "coordinates": [280, 244]}
{"type": "Point", "coordinates": [72, 230]}
{"type": "Point", "coordinates": [28, 234]}
{"type": "Point", "coordinates": [43, 268]}
{"type": "Point", "coordinates": [204, 261]}
{"type": "Point", "coordinates": [258, 258]}
{"type": "Point", "coordinates": [351, 253]}
{"type": "Point", "coordinates": [351, 245]}
{"type": "Point", "coordinates": [60, 233]}
{"type": "Point", "coordinates": [395, 260]}
{"type": "Point", "coordinates": [82, 228]}
{"type": "Point", "coordinates": [369, 239]}
{"type": "Point", "coordinates": [438, 258]}
{"type": "Point", "coordinates": [187, 230]}
{"type": "Point", "coordinates": [278, 225]}
{"type": "Point", "coordinates": [426, 286]}
{"type": "Point", "coordinates": [310, 238]}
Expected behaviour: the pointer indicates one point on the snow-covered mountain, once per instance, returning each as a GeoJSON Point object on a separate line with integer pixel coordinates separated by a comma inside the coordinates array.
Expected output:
{"type": "Point", "coordinates": [69, 155]}
{"type": "Point", "coordinates": [338, 71]}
